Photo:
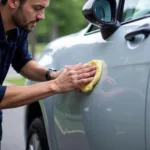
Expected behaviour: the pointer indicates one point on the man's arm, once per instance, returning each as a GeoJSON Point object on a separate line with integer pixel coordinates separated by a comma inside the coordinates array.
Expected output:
{"type": "Point", "coordinates": [69, 79]}
{"type": "Point", "coordinates": [16, 96]}
{"type": "Point", "coordinates": [33, 71]}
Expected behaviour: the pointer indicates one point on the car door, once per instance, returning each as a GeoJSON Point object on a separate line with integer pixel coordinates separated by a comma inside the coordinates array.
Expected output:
{"type": "Point", "coordinates": [148, 116]}
{"type": "Point", "coordinates": [112, 116]}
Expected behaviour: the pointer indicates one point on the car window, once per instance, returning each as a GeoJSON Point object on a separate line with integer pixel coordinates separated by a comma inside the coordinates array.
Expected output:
{"type": "Point", "coordinates": [134, 9]}
{"type": "Point", "coordinates": [92, 28]}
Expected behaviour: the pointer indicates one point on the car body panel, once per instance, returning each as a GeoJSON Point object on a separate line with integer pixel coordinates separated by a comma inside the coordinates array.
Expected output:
{"type": "Point", "coordinates": [112, 116]}
{"type": "Point", "coordinates": [148, 114]}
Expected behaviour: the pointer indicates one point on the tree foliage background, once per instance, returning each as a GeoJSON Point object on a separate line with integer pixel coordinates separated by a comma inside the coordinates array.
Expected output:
{"type": "Point", "coordinates": [62, 17]}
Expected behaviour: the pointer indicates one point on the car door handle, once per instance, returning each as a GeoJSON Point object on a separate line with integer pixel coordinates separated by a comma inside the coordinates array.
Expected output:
{"type": "Point", "coordinates": [145, 31]}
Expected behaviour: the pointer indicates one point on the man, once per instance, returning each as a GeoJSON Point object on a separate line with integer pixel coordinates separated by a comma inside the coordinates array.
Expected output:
{"type": "Point", "coordinates": [17, 18]}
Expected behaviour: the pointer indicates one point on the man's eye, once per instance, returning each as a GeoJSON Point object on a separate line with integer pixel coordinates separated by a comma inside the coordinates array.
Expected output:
{"type": "Point", "coordinates": [38, 8]}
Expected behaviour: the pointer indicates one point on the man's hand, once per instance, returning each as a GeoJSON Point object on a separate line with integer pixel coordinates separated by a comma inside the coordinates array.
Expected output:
{"type": "Point", "coordinates": [72, 77]}
{"type": "Point", "coordinates": [55, 74]}
{"type": "Point", "coordinates": [68, 79]}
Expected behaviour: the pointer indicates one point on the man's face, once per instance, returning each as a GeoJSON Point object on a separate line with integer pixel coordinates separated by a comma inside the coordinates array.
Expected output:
{"type": "Point", "coordinates": [28, 14]}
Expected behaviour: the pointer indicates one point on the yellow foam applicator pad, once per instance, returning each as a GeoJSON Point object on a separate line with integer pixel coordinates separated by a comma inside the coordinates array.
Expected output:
{"type": "Point", "coordinates": [88, 87]}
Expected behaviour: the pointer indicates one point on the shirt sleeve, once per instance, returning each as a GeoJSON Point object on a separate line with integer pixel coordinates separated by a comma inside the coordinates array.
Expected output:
{"type": "Point", "coordinates": [22, 55]}
{"type": "Point", "coordinates": [2, 92]}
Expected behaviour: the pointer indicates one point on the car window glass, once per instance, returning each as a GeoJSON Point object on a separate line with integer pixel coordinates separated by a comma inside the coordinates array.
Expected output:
{"type": "Point", "coordinates": [134, 9]}
{"type": "Point", "coordinates": [93, 28]}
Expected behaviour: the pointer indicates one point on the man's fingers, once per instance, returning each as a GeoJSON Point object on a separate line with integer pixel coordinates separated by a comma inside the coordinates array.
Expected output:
{"type": "Point", "coordinates": [86, 70]}
{"type": "Point", "coordinates": [84, 81]}
{"type": "Point", "coordinates": [80, 66]}
{"type": "Point", "coordinates": [86, 75]}
{"type": "Point", "coordinates": [72, 66]}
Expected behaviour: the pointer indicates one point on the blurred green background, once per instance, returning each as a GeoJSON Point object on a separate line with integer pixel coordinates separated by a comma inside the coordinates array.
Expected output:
{"type": "Point", "coordinates": [62, 17]}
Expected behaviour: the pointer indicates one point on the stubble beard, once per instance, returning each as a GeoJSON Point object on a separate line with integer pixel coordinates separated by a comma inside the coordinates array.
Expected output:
{"type": "Point", "coordinates": [20, 20]}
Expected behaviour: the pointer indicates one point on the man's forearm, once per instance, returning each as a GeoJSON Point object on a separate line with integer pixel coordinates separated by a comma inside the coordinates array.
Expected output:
{"type": "Point", "coordinates": [33, 71]}
{"type": "Point", "coordinates": [16, 96]}
{"type": "Point", "coordinates": [69, 79]}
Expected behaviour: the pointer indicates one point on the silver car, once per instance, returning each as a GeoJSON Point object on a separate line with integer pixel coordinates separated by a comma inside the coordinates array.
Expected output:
{"type": "Point", "coordinates": [116, 114]}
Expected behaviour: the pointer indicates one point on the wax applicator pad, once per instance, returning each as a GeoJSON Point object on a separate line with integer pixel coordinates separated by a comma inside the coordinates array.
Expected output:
{"type": "Point", "coordinates": [88, 87]}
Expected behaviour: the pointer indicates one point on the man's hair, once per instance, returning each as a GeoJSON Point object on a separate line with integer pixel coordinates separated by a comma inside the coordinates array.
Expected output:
{"type": "Point", "coordinates": [3, 2]}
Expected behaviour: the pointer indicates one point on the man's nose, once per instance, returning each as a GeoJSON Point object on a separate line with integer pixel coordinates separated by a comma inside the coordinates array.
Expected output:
{"type": "Point", "coordinates": [41, 16]}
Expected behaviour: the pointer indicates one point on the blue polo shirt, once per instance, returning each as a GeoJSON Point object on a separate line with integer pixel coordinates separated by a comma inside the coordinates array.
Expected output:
{"type": "Point", "coordinates": [13, 51]}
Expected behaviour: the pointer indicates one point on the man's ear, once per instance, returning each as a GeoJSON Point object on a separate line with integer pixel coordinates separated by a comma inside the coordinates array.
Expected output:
{"type": "Point", "coordinates": [13, 3]}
